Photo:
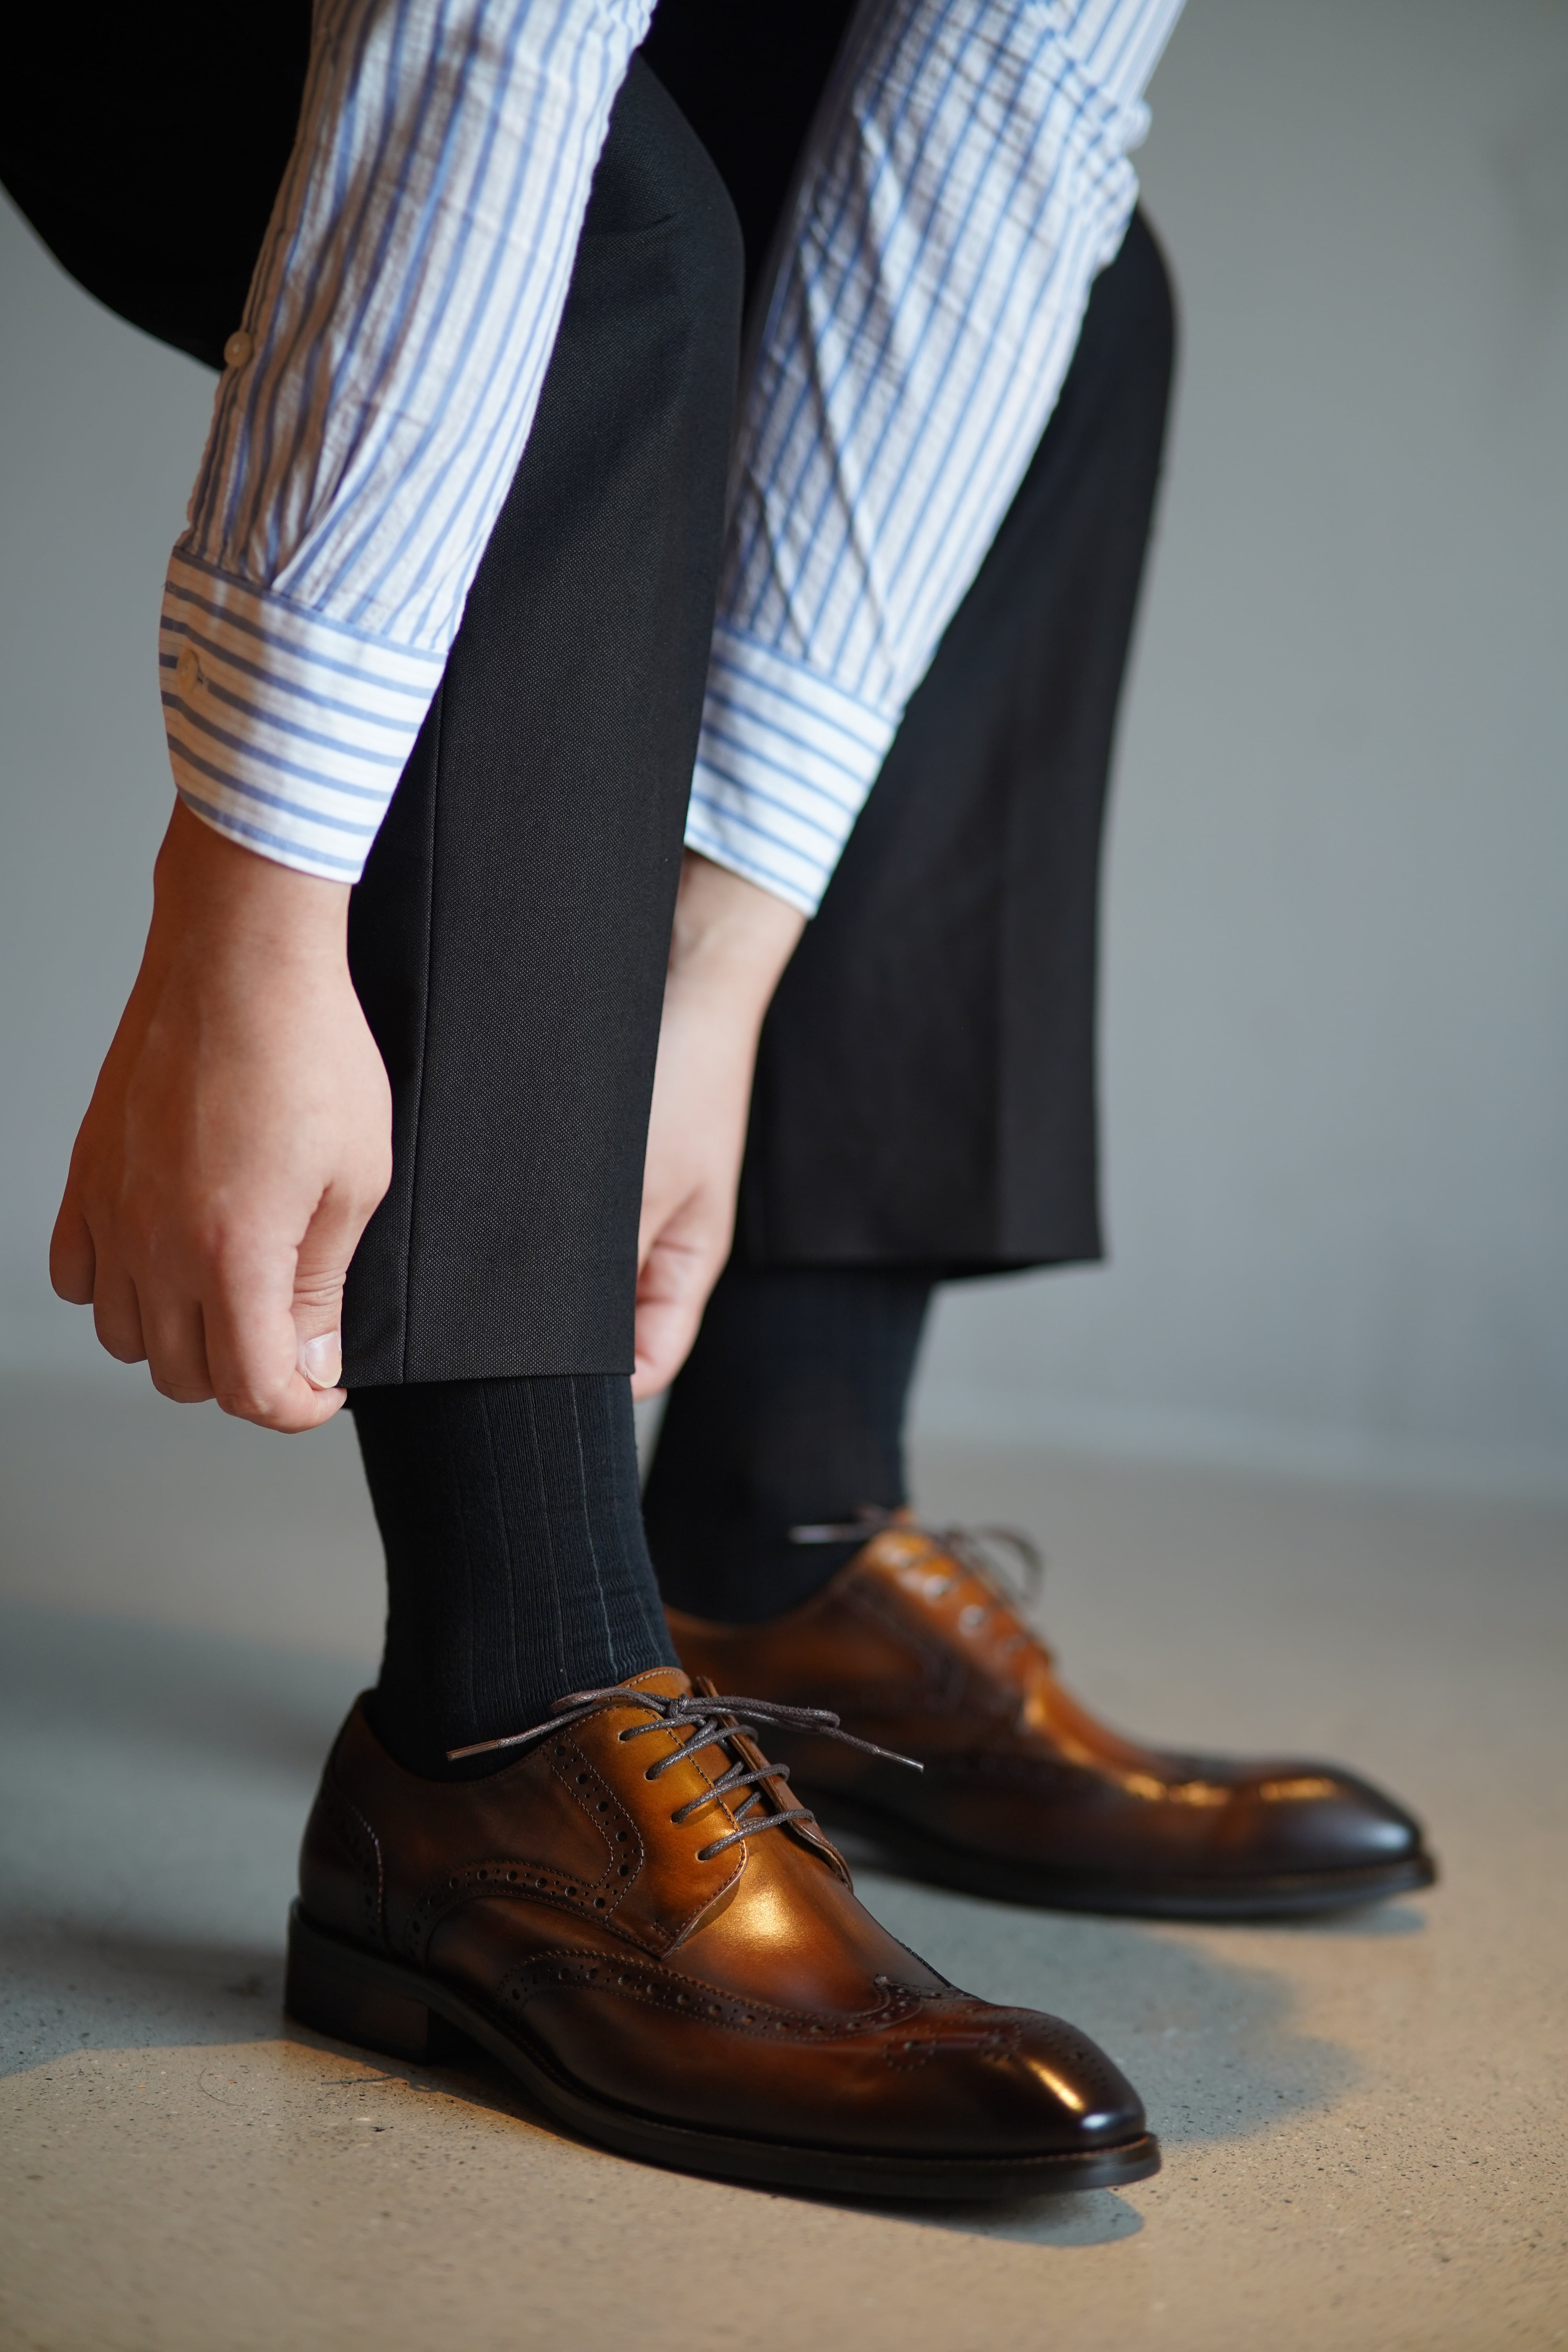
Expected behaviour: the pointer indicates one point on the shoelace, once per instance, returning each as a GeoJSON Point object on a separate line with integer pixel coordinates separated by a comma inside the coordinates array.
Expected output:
{"type": "Point", "coordinates": [965, 1545]}
{"type": "Point", "coordinates": [713, 1722]}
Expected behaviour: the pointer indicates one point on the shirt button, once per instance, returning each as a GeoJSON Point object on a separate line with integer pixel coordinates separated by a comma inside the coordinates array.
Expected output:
{"type": "Point", "coordinates": [187, 671]}
{"type": "Point", "coordinates": [236, 351]}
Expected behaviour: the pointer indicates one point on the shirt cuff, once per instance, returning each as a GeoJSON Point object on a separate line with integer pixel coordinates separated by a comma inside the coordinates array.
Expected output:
{"type": "Point", "coordinates": [785, 762]}
{"type": "Point", "coordinates": [287, 731]}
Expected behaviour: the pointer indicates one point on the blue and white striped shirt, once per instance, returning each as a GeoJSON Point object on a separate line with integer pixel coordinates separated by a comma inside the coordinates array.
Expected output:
{"type": "Point", "coordinates": [967, 178]}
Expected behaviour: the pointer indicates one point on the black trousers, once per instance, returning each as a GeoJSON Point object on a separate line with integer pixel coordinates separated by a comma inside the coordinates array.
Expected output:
{"type": "Point", "coordinates": [925, 1093]}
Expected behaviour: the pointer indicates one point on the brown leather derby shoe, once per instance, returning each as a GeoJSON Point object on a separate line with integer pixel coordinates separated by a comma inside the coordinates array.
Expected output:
{"type": "Point", "coordinates": [1024, 1796]}
{"type": "Point", "coordinates": [637, 1919]}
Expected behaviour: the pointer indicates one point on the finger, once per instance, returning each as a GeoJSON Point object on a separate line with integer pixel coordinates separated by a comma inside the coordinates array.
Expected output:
{"type": "Point", "coordinates": [252, 1345]}
{"type": "Point", "coordinates": [175, 1341]}
{"type": "Point", "coordinates": [664, 1341]}
{"type": "Point", "coordinates": [672, 1291]}
{"type": "Point", "coordinates": [72, 1258]}
{"type": "Point", "coordinates": [116, 1313]}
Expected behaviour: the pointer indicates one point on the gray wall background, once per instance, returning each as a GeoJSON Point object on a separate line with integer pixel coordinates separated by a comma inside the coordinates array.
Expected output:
{"type": "Point", "coordinates": [1335, 1050]}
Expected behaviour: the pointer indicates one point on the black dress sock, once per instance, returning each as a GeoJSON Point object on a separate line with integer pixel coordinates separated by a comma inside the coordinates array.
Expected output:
{"type": "Point", "coordinates": [516, 1567]}
{"type": "Point", "coordinates": [789, 1410]}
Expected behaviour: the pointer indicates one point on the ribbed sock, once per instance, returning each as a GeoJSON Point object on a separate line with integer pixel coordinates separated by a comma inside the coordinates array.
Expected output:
{"type": "Point", "coordinates": [516, 1566]}
{"type": "Point", "coordinates": [789, 1410]}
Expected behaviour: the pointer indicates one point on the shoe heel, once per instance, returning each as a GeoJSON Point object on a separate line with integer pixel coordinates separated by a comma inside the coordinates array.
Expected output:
{"type": "Point", "coordinates": [330, 1995]}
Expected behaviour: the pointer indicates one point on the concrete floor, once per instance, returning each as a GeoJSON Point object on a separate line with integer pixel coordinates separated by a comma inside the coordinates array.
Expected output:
{"type": "Point", "coordinates": [1363, 2124]}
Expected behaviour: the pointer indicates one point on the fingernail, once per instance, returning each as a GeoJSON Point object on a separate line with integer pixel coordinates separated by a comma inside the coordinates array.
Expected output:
{"type": "Point", "coordinates": [322, 1360]}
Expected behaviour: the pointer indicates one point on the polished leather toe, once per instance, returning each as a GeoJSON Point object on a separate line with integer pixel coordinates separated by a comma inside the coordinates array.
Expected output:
{"type": "Point", "coordinates": [1286, 1815]}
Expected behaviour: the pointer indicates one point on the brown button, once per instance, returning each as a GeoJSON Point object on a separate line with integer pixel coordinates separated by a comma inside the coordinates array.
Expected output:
{"type": "Point", "coordinates": [187, 671]}
{"type": "Point", "coordinates": [239, 348]}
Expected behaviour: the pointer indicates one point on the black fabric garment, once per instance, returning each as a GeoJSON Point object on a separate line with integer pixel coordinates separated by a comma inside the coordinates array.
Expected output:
{"type": "Point", "coordinates": [925, 1092]}
{"type": "Point", "coordinates": [509, 936]}
{"type": "Point", "coordinates": [516, 1567]}
{"type": "Point", "coordinates": [748, 79]}
{"type": "Point", "coordinates": [145, 144]}
{"type": "Point", "coordinates": [789, 1412]}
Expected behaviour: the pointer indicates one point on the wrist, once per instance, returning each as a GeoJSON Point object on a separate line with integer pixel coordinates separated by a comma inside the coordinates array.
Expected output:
{"type": "Point", "coordinates": [215, 901]}
{"type": "Point", "coordinates": [730, 940]}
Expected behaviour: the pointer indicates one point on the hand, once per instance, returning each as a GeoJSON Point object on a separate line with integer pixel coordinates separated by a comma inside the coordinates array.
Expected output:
{"type": "Point", "coordinates": [731, 941]}
{"type": "Point", "coordinates": [237, 1140]}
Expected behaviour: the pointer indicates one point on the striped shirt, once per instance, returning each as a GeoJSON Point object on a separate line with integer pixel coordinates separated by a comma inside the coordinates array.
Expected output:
{"type": "Point", "coordinates": [966, 179]}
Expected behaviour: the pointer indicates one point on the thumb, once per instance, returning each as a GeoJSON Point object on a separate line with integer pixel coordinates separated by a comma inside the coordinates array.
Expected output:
{"type": "Point", "coordinates": [320, 1269]}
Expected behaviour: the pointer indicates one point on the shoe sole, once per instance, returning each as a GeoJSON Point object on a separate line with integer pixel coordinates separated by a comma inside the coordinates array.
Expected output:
{"type": "Point", "coordinates": [357, 1997]}
{"type": "Point", "coordinates": [913, 1853]}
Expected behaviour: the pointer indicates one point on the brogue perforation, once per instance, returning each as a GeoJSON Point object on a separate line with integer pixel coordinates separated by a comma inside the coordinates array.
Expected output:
{"type": "Point", "coordinates": [364, 1847]}
{"type": "Point", "coordinates": [626, 1978]}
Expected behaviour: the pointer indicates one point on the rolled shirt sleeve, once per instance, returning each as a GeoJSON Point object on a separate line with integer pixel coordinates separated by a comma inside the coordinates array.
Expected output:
{"type": "Point", "coordinates": [377, 396]}
{"type": "Point", "coordinates": [967, 180]}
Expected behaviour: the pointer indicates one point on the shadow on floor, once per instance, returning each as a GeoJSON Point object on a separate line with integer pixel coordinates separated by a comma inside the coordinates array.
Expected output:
{"type": "Point", "coordinates": [74, 1985]}
{"type": "Point", "coordinates": [1209, 2041]}
{"type": "Point", "coordinates": [1374, 1919]}
{"type": "Point", "coordinates": [207, 1696]}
